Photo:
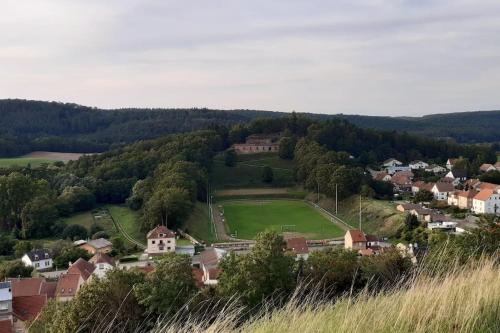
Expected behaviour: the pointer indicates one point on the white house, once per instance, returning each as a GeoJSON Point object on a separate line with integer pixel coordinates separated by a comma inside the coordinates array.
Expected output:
{"type": "Point", "coordinates": [434, 168]}
{"type": "Point", "coordinates": [392, 162]}
{"type": "Point", "coordinates": [415, 165]}
{"type": "Point", "coordinates": [486, 202]}
{"type": "Point", "coordinates": [457, 175]}
{"type": "Point", "coordinates": [103, 263]}
{"type": "Point", "coordinates": [441, 190]}
{"type": "Point", "coordinates": [39, 259]}
{"type": "Point", "coordinates": [397, 168]}
{"type": "Point", "coordinates": [160, 240]}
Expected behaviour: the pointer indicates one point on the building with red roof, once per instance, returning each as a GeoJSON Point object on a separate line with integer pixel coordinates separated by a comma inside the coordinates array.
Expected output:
{"type": "Point", "coordinates": [161, 240]}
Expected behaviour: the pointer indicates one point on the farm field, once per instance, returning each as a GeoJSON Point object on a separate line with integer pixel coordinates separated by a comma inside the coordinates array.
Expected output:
{"type": "Point", "coordinates": [37, 158]}
{"type": "Point", "coordinates": [247, 218]}
{"type": "Point", "coordinates": [248, 172]}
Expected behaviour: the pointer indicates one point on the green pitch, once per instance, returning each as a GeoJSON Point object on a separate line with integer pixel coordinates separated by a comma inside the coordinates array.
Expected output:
{"type": "Point", "coordinates": [248, 218]}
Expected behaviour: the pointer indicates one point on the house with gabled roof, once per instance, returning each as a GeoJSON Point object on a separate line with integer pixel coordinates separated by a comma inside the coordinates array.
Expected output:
{"type": "Point", "coordinates": [486, 202]}
{"type": "Point", "coordinates": [67, 286]}
{"type": "Point", "coordinates": [421, 185]}
{"type": "Point", "coordinates": [392, 162]}
{"type": "Point", "coordinates": [39, 259]}
{"type": "Point", "coordinates": [382, 176]}
{"type": "Point", "coordinates": [102, 263]}
{"type": "Point", "coordinates": [457, 176]}
{"type": "Point", "coordinates": [355, 239]}
{"type": "Point", "coordinates": [441, 190]}
{"type": "Point", "coordinates": [209, 264]}
{"type": "Point", "coordinates": [451, 162]}
{"type": "Point", "coordinates": [93, 246]}
{"type": "Point", "coordinates": [161, 240]}
{"type": "Point", "coordinates": [485, 167]}
{"type": "Point", "coordinates": [434, 168]}
{"type": "Point", "coordinates": [418, 165]}
{"type": "Point", "coordinates": [298, 247]}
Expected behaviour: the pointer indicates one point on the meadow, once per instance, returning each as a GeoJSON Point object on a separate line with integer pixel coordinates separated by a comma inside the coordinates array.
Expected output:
{"type": "Point", "coordinates": [249, 217]}
{"type": "Point", "coordinates": [37, 158]}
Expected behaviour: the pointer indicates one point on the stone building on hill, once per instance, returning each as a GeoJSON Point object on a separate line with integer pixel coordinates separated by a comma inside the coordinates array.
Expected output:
{"type": "Point", "coordinates": [257, 144]}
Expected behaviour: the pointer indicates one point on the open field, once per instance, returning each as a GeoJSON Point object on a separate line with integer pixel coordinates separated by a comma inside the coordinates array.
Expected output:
{"type": "Point", "coordinates": [38, 157]}
{"type": "Point", "coordinates": [377, 216]}
{"type": "Point", "coordinates": [129, 221]}
{"type": "Point", "coordinates": [248, 218]}
{"type": "Point", "coordinates": [248, 172]}
{"type": "Point", "coordinates": [198, 224]}
{"type": "Point", "coordinates": [98, 216]}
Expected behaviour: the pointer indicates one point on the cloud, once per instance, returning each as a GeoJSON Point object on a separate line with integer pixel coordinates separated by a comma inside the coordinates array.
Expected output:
{"type": "Point", "coordinates": [368, 57]}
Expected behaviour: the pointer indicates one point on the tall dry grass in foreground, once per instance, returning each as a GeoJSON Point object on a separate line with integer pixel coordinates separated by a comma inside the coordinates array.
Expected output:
{"type": "Point", "coordinates": [464, 300]}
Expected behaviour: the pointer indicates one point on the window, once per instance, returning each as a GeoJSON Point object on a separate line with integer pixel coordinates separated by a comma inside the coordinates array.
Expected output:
{"type": "Point", "coordinates": [62, 290]}
{"type": "Point", "coordinates": [168, 248]}
{"type": "Point", "coordinates": [47, 263]}
{"type": "Point", "coordinates": [161, 242]}
{"type": "Point", "coordinates": [37, 264]}
{"type": "Point", "coordinates": [4, 306]}
{"type": "Point", "coordinates": [101, 266]}
{"type": "Point", "coordinates": [169, 241]}
{"type": "Point", "coordinates": [153, 242]}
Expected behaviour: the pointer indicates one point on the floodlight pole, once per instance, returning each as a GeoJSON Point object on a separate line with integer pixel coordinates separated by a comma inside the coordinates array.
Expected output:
{"type": "Point", "coordinates": [336, 200]}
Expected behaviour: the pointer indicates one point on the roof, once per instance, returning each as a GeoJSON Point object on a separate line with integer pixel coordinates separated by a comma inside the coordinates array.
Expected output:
{"type": "Point", "coordinates": [486, 166]}
{"type": "Point", "coordinates": [28, 307]}
{"type": "Point", "coordinates": [402, 178]}
{"type": "Point", "coordinates": [452, 160]}
{"type": "Point", "coordinates": [444, 186]}
{"type": "Point", "coordinates": [5, 291]}
{"type": "Point", "coordinates": [82, 267]}
{"type": "Point", "coordinates": [6, 326]}
{"type": "Point", "coordinates": [48, 288]}
{"type": "Point", "coordinates": [99, 243]}
{"type": "Point", "coordinates": [366, 252]}
{"type": "Point", "coordinates": [357, 235]}
{"type": "Point", "coordinates": [467, 194]}
{"type": "Point", "coordinates": [198, 276]}
{"type": "Point", "coordinates": [213, 273]}
{"type": "Point", "coordinates": [459, 173]}
{"type": "Point", "coordinates": [102, 258]}
{"type": "Point", "coordinates": [380, 175]}
{"type": "Point", "coordinates": [410, 206]}
{"type": "Point", "coordinates": [497, 165]}
{"type": "Point", "coordinates": [371, 238]}
{"type": "Point", "coordinates": [26, 286]}
{"type": "Point", "coordinates": [487, 186]}
{"type": "Point", "coordinates": [484, 195]}
{"type": "Point", "coordinates": [423, 185]}
{"type": "Point", "coordinates": [209, 257]}
{"type": "Point", "coordinates": [39, 254]}
{"type": "Point", "coordinates": [161, 230]}
{"type": "Point", "coordinates": [67, 285]}
{"type": "Point", "coordinates": [390, 160]}
{"type": "Point", "coordinates": [297, 245]}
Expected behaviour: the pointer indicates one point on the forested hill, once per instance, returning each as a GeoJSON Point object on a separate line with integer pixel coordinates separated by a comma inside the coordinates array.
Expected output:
{"type": "Point", "coordinates": [36, 125]}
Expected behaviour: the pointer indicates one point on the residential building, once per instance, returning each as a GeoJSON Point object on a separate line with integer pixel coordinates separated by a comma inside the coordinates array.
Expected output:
{"type": "Point", "coordinates": [39, 259]}
{"type": "Point", "coordinates": [94, 246]}
{"type": "Point", "coordinates": [417, 165]}
{"type": "Point", "coordinates": [392, 162]}
{"type": "Point", "coordinates": [67, 286]}
{"type": "Point", "coordinates": [298, 247]}
{"type": "Point", "coordinates": [161, 240]}
{"type": "Point", "coordinates": [5, 300]}
{"type": "Point", "coordinates": [487, 167]}
{"type": "Point", "coordinates": [486, 202]}
{"type": "Point", "coordinates": [402, 181]}
{"type": "Point", "coordinates": [465, 199]}
{"type": "Point", "coordinates": [209, 264]}
{"type": "Point", "coordinates": [391, 170]}
{"type": "Point", "coordinates": [434, 168]}
{"type": "Point", "coordinates": [382, 176]}
{"type": "Point", "coordinates": [457, 175]}
{"type": "Point", "coordinates": [102, 263]}
{"type": "Point", "coordinates": [420, 185]}
{"type": "Point", "coordinates": [406, 207]}
{"type": "Point", "coordinates": [257, 144]}
{"type": "Point", "coordinates": [422, 213]}
{"type": "Point", "coordinates": [355, 239]}
{"type": "Point", "coordinates": [441, 190]}
{"type": "Point", "coordinates": [453, 198]}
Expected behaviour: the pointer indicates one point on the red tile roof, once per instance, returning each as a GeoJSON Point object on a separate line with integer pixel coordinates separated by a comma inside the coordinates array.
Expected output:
{"type": "Point", "coordinates": [82, 267]}
{"type": "Point", "coordinates": [26, 286]}
{"type": "Point", "coordinates": [467, 194]}
{"type": "Point", "coordinates": [6, 326]}
{"type": "Point", "coordinates": [209, 257]}
{"type": "Point", "coordinates": [484, 195]}
{"type": "Point", "coordinates": [28, 307]}
{"type": "Point", "coordinates": [67, 285]}
{"type": "Point", "coordinates": [155, 233]}
{"type": "Point", "coordinates": [357, 235]}
{"type": "Point", "coordinates": [49, 289]}
{"type": "Point", "coordinates": [297, 245]}
{"type": "Point", "coordinates": [198, 276]}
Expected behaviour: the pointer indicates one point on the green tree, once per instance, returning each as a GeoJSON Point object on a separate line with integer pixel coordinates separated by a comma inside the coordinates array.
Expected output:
{"type": "Point", "coordinates": [119, 245]}
{"type": "Point", "coordinates": [74, 232]}
{"type": "Point", "coordinates": [169, 287]}
{"type": "Point", "coordinates": [230, 158]}
{"type": "Point", "coordinates": [167, 206]}
{"type": "Point", "coordinates": [68, 255]}
{"type": "Point", "coordinates": [14, 269]}
{"type": "Point", "coordinates": [266, 271]}
{"type": "Point", "coordinates": [7, 244]}
{"type": "Point", "coordinates": [267, 174]}
{"type": "Point", "coordinates": [286, 148]}
{"type": "Point", "coordinates": [37, 218]}
{"type": "Point", "coordinates": [385, 269]}
{"type": "Point", "coordinates": [411, 222]}
{"type": "Point", "coordinates": [423, 196]}
{"type": "Point", "coordinates": [22, 247]}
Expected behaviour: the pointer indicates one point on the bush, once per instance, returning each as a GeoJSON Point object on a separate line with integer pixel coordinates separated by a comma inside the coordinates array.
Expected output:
{"type": "Point", "coordinates": [230, 158]}
{"type": "Point", "coordinates": [14, 269]}
{"type": "Point", "coordinates": [74, 232]}
{"type": "Point", "coordinates": [100, 234]}
{"type": "Point", "coordinates": [267, 174]}
{"type": "Point", "coordinates": [70, 255]}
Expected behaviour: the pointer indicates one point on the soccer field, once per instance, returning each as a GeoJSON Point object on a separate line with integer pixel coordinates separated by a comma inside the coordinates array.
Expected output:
{"type": "Point", "coordinates": [248, 218]}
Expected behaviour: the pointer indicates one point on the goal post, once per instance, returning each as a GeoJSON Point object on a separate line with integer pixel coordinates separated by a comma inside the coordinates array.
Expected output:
{"type": "Point", "coordinates": [288, 227]}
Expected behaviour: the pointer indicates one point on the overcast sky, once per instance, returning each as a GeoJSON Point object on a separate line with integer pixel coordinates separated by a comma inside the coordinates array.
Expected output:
{"type": "Point", "coordinates": [373, 57]}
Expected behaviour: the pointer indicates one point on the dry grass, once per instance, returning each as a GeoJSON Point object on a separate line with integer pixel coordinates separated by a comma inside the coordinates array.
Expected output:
{"type": "Point", "coordinates": [464, 300]}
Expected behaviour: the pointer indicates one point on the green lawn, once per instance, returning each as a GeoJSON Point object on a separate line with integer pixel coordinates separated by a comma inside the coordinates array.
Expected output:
{"type": "Point", "coordinates": [198, 225]}
{"type": "Point", "coordinates": [248, 218]}
{"type": "Point", "coordinates": [98, 215]}
{"type": "Point", "coordinates": [129, 221]}
{"type": "Point", "coordinates": [23, 161]}
{"type": "Point", "coordinates": [248, 171]}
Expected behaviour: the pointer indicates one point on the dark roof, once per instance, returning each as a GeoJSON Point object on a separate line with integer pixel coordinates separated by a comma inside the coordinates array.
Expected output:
{"type": "Point", "coordinates": [372, 238]}
{"type": "Point", "coordinates": [459, 173]}
{"type": "Point", "coordinates": [99, 243]}
{"type": "Point", "coordinates": [444, 187]}
{"type": "Point", "coordinates": [39, 254]}
{"type": "Point", "coordinates": [161, 230]}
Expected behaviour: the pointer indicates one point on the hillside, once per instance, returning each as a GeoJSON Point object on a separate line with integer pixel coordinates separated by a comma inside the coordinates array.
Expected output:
{"type": "Point", "coordinates": [35, 125]}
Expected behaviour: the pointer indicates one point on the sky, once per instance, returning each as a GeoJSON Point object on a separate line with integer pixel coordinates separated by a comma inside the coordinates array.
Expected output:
{"type": "Point", "coordinates": [398, 58]}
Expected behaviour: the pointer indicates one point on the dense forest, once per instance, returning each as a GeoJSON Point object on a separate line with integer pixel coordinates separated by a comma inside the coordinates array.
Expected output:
{"type": "Point", "coordinates": [34, 125]}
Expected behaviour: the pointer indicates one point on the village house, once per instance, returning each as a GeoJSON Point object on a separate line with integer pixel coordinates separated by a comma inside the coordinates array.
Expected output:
{"type": "Point", "coordinates": [209, 264]}
{"type": "Point", "coordinates": [94, 246]}
{"type": "Point", "coordinates": [465, 199]}
{"type": "Point", "coordinates": [453, 198]}
{"type": "Point", "coordinates": [257, 144]}
{"type": "Point", "coordinates": [392, 162]}
{"type": "Point", "coordinates": [382, 176]}
{"type": "Point", "coordinates": [391, 170]}
{"type": "Point", "coordinates": [40, 259]}
{"type": "Point", "coordinates": [161, 240]}
{"type": "Point", "coordinates": [458, 176]}
{"type": "Point", "coordinates": [69, 283]}
{"type": "Point", "coordinates": [402, 181]}
{"type": "Point", "coordinates": [102, 263]}
{"type": "Point", "coordinates": [421, 213]}
{"type": "Point", "coordinates": [418, 165]}
{"type": "Point", "coordinates": [420, 185]}
{"type": "Point", "coordinates": [365, 245]}
{"type": "Point", "coordinates": [406, 207]}
{"type": "Point", "coordinates": [487, 167]}
{"type": "Point", "coordinates": [441, 190]}
{"type": "Point", "coordinates": [486, 202]}
{"type": "Point", "coordinates": [434, 168]}
{"type": "Point", "coordinates": [298, 247]}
